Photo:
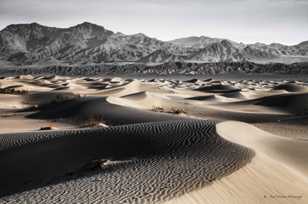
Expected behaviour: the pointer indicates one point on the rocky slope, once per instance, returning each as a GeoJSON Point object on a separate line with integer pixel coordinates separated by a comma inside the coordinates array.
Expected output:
{"type": "Point", "coordinates": [164, 69]}
{"type": "Point", "coordinates": [86, 43]}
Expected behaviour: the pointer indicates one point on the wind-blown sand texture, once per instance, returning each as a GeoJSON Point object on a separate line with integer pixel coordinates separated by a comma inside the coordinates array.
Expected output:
{"type": "Point", "coordinates": [152, 141]}
{"type": "Point", "coordinates": [277, 173]}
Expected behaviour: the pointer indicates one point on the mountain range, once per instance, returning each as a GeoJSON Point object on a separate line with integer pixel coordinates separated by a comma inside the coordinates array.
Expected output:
{"type": "Point", "coordinates": [87, 43]}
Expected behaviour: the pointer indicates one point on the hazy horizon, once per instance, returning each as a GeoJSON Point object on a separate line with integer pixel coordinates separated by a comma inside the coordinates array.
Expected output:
{"type": "Point", "coordinates": [265, 21]}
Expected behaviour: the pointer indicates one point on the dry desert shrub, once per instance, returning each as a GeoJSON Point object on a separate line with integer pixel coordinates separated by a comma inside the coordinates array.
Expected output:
{"type": "Point", "coordinates": [13, 91]}
{"type": "Point", "coordinates": [157, 109]}
{"type": "Point", "coordinates": [177, 110]}
{"type": "Point", "coordinates": [92, 121]}
{"type": "Point", "coordinates": [173, 110]}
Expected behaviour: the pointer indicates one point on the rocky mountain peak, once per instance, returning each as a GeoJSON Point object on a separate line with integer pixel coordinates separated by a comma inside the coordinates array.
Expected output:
{"type": "Point", "coordinates": [25, 44]}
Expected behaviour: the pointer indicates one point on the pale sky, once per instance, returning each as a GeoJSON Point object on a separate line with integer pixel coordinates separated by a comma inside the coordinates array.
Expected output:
{"type": "Point", "coordinates": [248, 21]}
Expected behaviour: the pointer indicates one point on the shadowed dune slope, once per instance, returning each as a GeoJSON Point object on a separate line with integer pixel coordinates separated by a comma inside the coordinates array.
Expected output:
{"type": "Point", "coordinates": [290, 87]}
{"type": "Point", "coordinates": [295, 103]}
{"type": "Point", "coordinates": [40, 98]}
{"type": "Point", "coordinates": [276, 175]}
{"type": "Point", "coordinates": [202, 98]}
{"type": "Point", "coordinates": [97, 108]}
{"type": "Point", "coordinates": [136, 96]}
{"type": "Point", "coordinates": [218, 88]}
{"type": "Point", "coordinates": [235, 94]}
{"type": "Point", "coordinates": [189, 147]}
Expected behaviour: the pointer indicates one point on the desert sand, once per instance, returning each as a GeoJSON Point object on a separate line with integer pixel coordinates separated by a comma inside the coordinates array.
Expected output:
{"type": "Point", "coordinates": [117, 140]}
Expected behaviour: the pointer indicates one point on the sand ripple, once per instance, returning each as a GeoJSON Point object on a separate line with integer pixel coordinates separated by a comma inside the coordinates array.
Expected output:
{"type": "Point", "coordinates": [171, 158]}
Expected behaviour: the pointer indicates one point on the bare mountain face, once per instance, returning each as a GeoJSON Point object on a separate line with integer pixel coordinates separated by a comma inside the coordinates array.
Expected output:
{"type": "Point", "coordinates": [86, 43]}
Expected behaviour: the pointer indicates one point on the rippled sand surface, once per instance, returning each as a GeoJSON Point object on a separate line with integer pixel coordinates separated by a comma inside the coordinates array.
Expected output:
{"type": "Point", "coordinates": [115, 140]}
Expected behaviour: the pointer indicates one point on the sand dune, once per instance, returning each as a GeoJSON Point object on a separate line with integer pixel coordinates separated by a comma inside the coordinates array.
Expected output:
{"type": "Point", "coordinates": [295, 127]}
{"type": "Point", "coordinates": [156, 142]}
{"type": "Point", "coordinates": [277, 174]}
{"type": "Point", "coordinates": [290, 87]}
{"type": "Point", "coordinates": [287, 151]}
{"type": "Point", "coordinates": [95, 108]}
{"type": "Point", "coordinates": [193, 142]}
{"type": "Point", "coordinates": [291, 102]}
{"type": "Point", "coordinates": [263, 180]}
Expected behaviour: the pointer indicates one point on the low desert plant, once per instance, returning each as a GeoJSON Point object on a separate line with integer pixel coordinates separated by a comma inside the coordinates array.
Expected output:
{"type": "Point", "coordinates": [173, 110]}
{"type": "Point", "coordinates": [157, 109]}
{"type": "Point", "coordinates": [95, 120]}
{"type": "Point", "coordinates": [177, 110]}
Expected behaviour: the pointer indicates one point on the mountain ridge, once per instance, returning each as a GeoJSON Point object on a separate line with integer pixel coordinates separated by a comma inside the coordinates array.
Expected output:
{"type": "Point", "coordinates": [85, 43]}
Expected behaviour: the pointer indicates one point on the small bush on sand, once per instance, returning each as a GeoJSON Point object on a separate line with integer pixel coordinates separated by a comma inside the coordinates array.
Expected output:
{"type": "Point", "coordinates": [93, 121]}
{"type": "Point", "coordinates": [173, 110]}
{"type": "Point", "coordinates": [157, 109]}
